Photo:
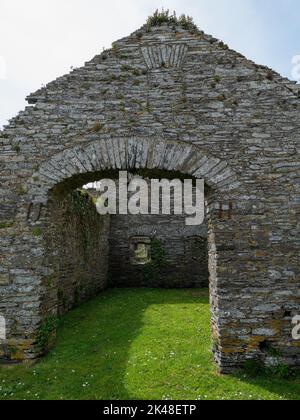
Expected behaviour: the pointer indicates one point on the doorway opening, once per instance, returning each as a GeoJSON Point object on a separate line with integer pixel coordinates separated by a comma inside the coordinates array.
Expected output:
{"type": "Point", "coordinates": [89, 252]}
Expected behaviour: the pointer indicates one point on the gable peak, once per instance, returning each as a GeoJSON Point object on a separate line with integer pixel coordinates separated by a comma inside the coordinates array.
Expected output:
{"type": "Point", "coordinates": [166, 18]}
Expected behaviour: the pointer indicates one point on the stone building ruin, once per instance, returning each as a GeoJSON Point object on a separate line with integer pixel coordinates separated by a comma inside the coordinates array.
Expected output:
{"type": "Point", "coordinates": [166, 100]}
{"type": "Point", "coordinates": [172, 254]}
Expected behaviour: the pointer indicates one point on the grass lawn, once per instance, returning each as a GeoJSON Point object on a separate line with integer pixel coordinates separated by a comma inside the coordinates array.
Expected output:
{"type": "Point", "coordinates": [137, 344]}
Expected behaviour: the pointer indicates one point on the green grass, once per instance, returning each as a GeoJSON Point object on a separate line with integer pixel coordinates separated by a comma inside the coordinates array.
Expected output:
{"type": "Point", "coordinates": [137, 344]}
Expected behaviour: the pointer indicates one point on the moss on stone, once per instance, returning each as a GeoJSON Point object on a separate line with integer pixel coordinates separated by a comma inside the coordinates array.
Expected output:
{"type": "Point", "coordinates": [136, 83]}
{"type": "Point", "coordinates": [21, 190]}
{"type": "Point", "coordinates": [6, 225]}
{"type": "Point", "coordinates": [126, 67]}
{"type": "Point", "coordinates": [16, 148]}
{"type": "Point", "coordinates": [37, 231]}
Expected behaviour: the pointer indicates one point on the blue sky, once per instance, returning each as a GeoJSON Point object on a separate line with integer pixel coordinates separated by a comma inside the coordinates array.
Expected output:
{"type": "Point", "coordinates": [41, 39]}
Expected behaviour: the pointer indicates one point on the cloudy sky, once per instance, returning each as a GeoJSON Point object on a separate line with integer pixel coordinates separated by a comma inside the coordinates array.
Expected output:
{"type": "Point", "coordinates": [41, 39]}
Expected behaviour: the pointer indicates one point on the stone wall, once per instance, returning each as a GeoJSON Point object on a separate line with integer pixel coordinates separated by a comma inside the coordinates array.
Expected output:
{"type": "Point", "coordinates": [76, 240]}
{"type": "Point", "coordinates": [183, 249]}
{"type": "Point", "coordinates": [179, 100]}
{"type": "Point", "coordinates": [184, 263]}
{"type": "Point", "coordinates": [77, 250]}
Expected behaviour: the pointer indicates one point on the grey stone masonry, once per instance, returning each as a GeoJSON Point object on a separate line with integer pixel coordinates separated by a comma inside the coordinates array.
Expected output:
{"type": "Point", "coordinates": [175, 101]}
{"type": "Point", "coordinates": [178, 253]}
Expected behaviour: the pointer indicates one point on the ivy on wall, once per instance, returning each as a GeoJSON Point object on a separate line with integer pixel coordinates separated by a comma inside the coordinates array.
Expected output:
{"type": "Point", "coordinates": [77, 240]}
{"type": "Point", "coordinates": [84, 211]}
{"type": "Point", "coordinates": [46, 334]}
{"type": "Point", "coordinates": [153, 269]}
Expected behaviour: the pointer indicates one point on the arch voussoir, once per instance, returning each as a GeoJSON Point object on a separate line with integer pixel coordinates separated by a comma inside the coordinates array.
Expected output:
{"type": "Point", "coordinates": [136, 153]}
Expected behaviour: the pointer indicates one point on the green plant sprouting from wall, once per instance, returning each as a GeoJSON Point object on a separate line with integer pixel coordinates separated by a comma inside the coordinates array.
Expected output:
{"type": "Point", "coordinates": [46, 334]}
{"type": "Point", "coordinates": [153, 269]}
{"type": "Point", "coordinates": [7, 225]}
{"type": "Point", "coordinates": [164, 17]}
{"type": "Point", "coordinates": [37, 231]}
{"type": "Point", "coordinates": [270, 350]}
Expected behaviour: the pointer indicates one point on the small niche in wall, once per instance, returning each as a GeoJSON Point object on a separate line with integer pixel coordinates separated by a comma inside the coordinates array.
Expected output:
{"type": "Point", "coordinates": [140, 250]}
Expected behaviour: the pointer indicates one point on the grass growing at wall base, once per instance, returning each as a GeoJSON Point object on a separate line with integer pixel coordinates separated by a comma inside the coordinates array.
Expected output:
{"type": "Point", "coordinates": [138, 344]}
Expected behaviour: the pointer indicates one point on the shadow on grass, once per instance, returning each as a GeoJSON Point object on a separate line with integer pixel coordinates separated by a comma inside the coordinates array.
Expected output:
{"type": "Point", "coordinates": [103, 349]}
{"type": "Point", "coordinates": [91, 356]}
{"type": "Point", "coordinates": [282, 387]}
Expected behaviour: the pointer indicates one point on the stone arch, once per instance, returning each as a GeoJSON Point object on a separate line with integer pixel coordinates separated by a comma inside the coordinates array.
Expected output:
{"type": "Point", "coordinates": [126, 109]}
{"type": "Point", "coordinates": [129, 154]}
{"type": "Point", "coordinates": [98, 156]}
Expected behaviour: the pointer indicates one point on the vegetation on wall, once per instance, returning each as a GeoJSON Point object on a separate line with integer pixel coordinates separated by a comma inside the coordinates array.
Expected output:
{"type": "Point", "coordinates": [84, 210]}
{"type": "Point", "coordinates": [6, 225]}
{"type": "Point", "coordinates": [164, 17]}
{"type": "Point", "coordinates": [79, 233]}
{"type": "Point", "coordinates": [46, 334]}
{"type": "Point", "coordinates": [37, 231]}
{"type": "Point", "coordinates": [152, 270]}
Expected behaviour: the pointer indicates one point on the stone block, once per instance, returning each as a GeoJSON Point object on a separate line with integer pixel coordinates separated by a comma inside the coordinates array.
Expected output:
{"type": "Point", "coordinates": [4, 279]}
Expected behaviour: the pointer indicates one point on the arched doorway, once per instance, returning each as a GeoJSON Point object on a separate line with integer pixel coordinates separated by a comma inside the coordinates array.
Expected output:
{"type": "Point", "coordinates": [167, 98]}
{"type": "Point", "coordinates": [74, 167]}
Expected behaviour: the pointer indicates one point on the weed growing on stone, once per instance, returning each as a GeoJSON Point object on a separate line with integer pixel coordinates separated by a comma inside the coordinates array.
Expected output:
{"type": "Point", "coordinates": [6, 225]}
{"type": "Point", "coordinates": [164, 17]}
{"type": "Point", "coordinates": [46, 334]}
{"type": "Point", "coordinates": [37, 231]}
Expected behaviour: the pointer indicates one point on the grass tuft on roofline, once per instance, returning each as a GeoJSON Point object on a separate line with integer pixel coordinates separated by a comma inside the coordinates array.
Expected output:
{"type": "Point", "coordinates": [165, 17]}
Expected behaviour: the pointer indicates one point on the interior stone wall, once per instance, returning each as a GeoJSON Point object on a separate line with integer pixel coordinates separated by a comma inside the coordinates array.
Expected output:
{"type": "Point", "coordinates": [77, 252]}
{"type": "Point", "coordinates": [185, 260]}
{"type": "Point", "coordinates": [184, 251]}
